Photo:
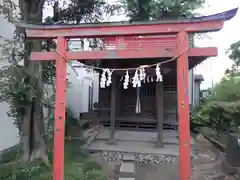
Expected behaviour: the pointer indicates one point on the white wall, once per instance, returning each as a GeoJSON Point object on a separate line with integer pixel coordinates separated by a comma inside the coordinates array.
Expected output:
{"type": "Point", "coordinates": [8, 131]}
{"type": "Point", "coordinates": [96, 88]}
{"type": "Point", "coordinates": [78, 90]}
{"type": "Point", "coordinates": [190, 86]}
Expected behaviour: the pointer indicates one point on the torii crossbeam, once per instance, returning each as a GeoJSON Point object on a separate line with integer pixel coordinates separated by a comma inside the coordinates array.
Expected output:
{"type": "Point", "coordinates": [180, 28]}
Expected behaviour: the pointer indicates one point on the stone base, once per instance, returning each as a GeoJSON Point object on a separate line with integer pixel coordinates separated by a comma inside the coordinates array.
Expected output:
{"type": "Point", "coordinates": [227, 168]}
{"type": "Point", "coordinates": [126, 178]}
{"type": "Point", "coordinates": [133, 147]}
{"type": "Point", "coordinates": [169, 136]}
{"type": "Point", "coordinates": [127, 167]}
{"type": "Point", "coordinates": [111, 142]}
{"type": "Point", "coordinates": [159, 145]}
{"type": "Point", "coordinates": [128, 157]}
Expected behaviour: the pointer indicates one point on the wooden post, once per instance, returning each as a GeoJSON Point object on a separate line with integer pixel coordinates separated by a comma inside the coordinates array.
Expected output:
{"type": "Point", "coordinates": [183, 107]}
{"type": "Point", "coordinates": [59, 122]}
{"type": "Point", "coordinates": [159, 103]}
{"type": "Point", "coordinates": [113, 109]}
{"type": "Point", "coordinates": [119, 45]}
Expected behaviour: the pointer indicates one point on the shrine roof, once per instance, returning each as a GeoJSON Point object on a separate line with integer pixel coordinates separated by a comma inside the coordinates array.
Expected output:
{"type": "Point", "coordinates": [223, 16]}
{"type": "Point", "coordinates": [198, 77]}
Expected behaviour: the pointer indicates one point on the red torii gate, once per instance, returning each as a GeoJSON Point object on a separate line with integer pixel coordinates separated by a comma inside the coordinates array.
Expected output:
{"type": "Point", "coordinates": [180, 28]}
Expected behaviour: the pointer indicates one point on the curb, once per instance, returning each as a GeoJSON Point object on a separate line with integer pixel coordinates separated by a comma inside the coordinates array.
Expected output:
{"type": "Point", "coordinates": [216, 143]}
{"type": "Point", "coordinates": [92, 138]}
{"type": "Point", "coordinates": [227, 168]}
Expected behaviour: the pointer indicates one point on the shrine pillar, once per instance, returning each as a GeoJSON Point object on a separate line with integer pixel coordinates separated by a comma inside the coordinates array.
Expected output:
{"type": "Point", "coordinates": [159, 105]}
{"type": "Point", "coordinates": [113, 110]}
{"type": "Point", "coordinates": [183, 107]}
{"type": "Point", "coordinates": [60, 110]}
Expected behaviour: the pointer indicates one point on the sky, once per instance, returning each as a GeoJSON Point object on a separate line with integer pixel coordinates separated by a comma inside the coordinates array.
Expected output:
{"type": "Point", "coordinates": [213, 68]}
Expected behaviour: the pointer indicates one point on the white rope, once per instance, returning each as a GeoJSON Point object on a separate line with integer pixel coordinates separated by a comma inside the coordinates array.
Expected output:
{"type": "Point", "coordinates": [139, 75]}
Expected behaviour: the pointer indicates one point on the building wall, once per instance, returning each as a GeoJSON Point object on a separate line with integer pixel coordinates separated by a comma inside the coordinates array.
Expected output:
{"type": "Point", "coordinates": [191, 74]}
{"type": "Point", "coordinates": [8, 131]}
{"type": "Point", "coordinates": [190, 86]}
{"type": "Point", "coordinates": [79, 88]}
{"type": "Point", "coordinates": [196, 92]}
{"type": "Point", "coordinates": [194, 89]}
{"type": "Point", "coordinates": [78, 92]}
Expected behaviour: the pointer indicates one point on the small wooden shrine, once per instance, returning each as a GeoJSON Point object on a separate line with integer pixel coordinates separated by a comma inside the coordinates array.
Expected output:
{"type": "Point", "coordinates": [136, 107]}
{"type": "Point", "coordinates": [147, 47]}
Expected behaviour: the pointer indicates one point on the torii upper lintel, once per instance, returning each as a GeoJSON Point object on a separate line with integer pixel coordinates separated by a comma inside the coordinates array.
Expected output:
{"type": "Point", "coordinates": [192, 25]}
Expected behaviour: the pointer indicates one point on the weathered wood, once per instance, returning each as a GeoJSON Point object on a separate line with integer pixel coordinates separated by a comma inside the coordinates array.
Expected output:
{"type": "Point", "coordinates": [170, 105]}
{"type": "Point", "coordinates": [113, 109]}
{"type": "Point", "coordinates": [205, 23]}
{"type": "Point", "coordinates": [120, 29]}
{"type": "Point", "coordinates": [183, 108]}
{"type": "Point", "coordinates": [159, 104]}
{"type": "Point", "coordinates": [151, 52]}
{"type": "Point", "coordinates": [118, 96]}
{"type": "Point", "coordinates": [60, 111]}
{"type": "Point", "coordinates": [147, 101]}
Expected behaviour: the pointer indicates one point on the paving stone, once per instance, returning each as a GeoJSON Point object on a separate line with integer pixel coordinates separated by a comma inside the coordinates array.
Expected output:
{"type": "Point", "coordinates": [126, 178]}
{"type": "Point", "coordinates": [127, 167]}
{"type": "Point", "coordinates": [128, 157]}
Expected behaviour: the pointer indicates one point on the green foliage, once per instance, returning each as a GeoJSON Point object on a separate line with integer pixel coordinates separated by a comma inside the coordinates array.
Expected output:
{"type": "Point", "coordinates": [160, 9]}
{"type": "Point", "coordinates": [78, 166]}
{"type": "Point", "coordinates": [15, 82]}
{"type": "Point", "coordinates": [70, 122]}
{"type": "Point", "coordinates": [84, 11]}
{"type": "Point", "coordinates": [226, 90]}
{"type": "Point", "coordinates": [17, 90]}
{"type": "Point", "coordinates": [17, 170]}
{"type": "Point", "coordinates": [221, 109]}
{"type": "Point", "coordinates": [234, 55]}
{"type": "Point", "coordinates": [10, 155]}
{"type": "Point", "coordinates": [70, 119]}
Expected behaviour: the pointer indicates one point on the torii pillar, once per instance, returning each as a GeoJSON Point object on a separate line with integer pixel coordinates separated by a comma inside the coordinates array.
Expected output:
{"type": "Point", "coordinates": [59, 122]}
{"type": "Point", "coordinates": [183, 107]}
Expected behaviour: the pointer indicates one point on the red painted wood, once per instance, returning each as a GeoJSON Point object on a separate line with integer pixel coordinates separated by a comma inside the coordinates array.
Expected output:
{"type": "Point", "coordinates": [183, 108]}
{"type": "Point", "coordinates": [59, 122]}
{"type": "Point", "coordinates": [125, 54]}
{"type": "Point", "coordinates": [119, 30]}
{"type": "Point", "coordinates": [142, 42]}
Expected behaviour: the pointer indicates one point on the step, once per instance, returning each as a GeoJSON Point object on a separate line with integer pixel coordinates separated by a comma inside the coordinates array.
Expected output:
{"type": "Point", "coordinates": [126, 178]}
{"type": "Point", "coordinates": [128, 157]}
{"type": "Point", "coordinates": [127, 167]}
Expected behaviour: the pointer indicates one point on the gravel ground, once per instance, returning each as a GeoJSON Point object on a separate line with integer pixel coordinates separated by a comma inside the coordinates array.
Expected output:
{"type": "Point", "coordinates": [143, 158]}
{"type": "Point", "coordinates": [206, 164]}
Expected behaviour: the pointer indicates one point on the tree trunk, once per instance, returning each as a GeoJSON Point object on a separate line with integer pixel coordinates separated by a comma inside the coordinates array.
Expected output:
{"type": "Point", "coordinates": [39, 148]}
{"type": "Point", "coordinates": [25, 135]}
{"type": "Point", "coordinates": [34, 145]}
